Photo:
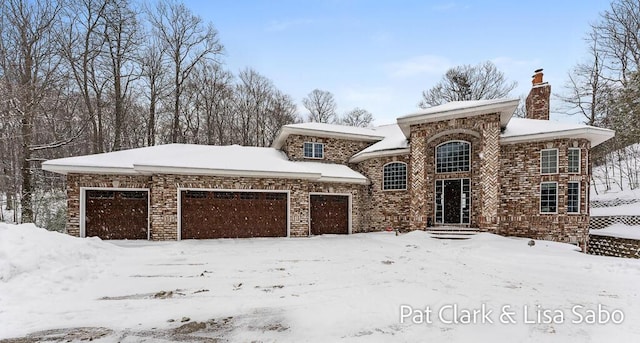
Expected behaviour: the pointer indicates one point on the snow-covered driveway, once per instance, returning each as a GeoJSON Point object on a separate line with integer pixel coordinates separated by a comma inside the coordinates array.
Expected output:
{"type": "Point", "coordinates": [322, 289]}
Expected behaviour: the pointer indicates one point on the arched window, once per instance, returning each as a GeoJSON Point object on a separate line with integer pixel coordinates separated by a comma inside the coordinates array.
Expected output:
{"type": "Point", "coordinates": [453, 156]}
{"type": "Point", "coordinates": [394, 176]}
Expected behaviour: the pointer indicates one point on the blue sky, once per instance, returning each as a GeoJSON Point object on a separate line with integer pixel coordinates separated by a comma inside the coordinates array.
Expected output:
{"type": "Point", "coordinates": [380, 55]}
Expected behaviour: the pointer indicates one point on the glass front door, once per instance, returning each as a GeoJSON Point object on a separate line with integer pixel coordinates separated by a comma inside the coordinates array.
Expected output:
{"type": "Point", "coordinates": [452, 201]}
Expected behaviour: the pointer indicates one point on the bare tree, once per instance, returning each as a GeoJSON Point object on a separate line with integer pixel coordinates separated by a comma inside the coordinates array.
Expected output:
{"type": "Point", "coordinates": [121, 36]}
{"type": "Point", "coordinates": [153, 74]}
{"type": "Point", "coordinates": [321, 106]}
{"type": "Point", "coordinates": [586, 89]}
{"type": "Point", "coordinates": [253, 99]}
{"type": "Point", "coordinates": [28, 66]}
{"type": "Point", "coordinates": [82, 41]}
{"type": "Point", "coordinates": [357, 117]}
{"type": "Point", "coordinates": [467, 82]}
{"type": "Point", "coordinates": [186, 41]}
{"type": "Point", "coordinates": [618, 36]}
{"type": "Point", "coordinates": [215, 86]}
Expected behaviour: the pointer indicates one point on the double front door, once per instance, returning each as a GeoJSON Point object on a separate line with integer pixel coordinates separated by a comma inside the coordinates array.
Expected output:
{"type": "Point", "coordinates": [452, 201]}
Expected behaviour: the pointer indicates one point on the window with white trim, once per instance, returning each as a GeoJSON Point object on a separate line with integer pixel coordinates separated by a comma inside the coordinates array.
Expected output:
{"type": "Point", "coordinates": [573, 197]}
{"type": "Point", "coordinates": [394, 176]}
{"type": "Point", "coordinates": [549, 161]}
{"type": "Point", "coordinates": [574, 160]}
{"type": "Point", "coordinates": [549, 197]}
{"type": "Point", "coordinates": [313, 150]}
{"type": "Point", "coordinates": [453, 156]}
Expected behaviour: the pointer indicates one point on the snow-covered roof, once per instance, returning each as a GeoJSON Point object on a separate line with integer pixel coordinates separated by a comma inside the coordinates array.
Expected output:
{"type": "Point", "coordinates": [394, 143]}
{"type": "Point", "coordinates": [326, 130]}
{"type": "Point", "coordinates": [460, 109]}
{"type": "Point", "coordinates": [526, 130]}
{"type": "Point", "coordinates": [230, 160]}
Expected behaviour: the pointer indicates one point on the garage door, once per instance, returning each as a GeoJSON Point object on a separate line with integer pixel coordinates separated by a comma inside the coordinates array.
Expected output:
{"type": "Point", "coordinates": [116, 214]}
{"type": "Point", "coordinates": [213, 214]}
{"type": "Point", "coordinates": [329, 214]}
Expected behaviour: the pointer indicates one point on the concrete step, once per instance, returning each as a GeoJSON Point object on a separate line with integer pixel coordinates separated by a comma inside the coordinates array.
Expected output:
{"type": "Point", "coordinates": [444, 232]}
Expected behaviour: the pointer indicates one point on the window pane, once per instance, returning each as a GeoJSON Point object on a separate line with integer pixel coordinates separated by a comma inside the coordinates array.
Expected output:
{"type": "Point", "coordinates": [394, 176]}
{"type": "Point", "coordinates": [548, 197]}
{"type": "Point", "coordinates": [549, 161]}
{"type": "Point", "coordinates": [574, 160]}
{"type": "Point", "coordinates": [439, 204]}
{"type": "Point", "coordinates": [318, 150]}
{"type": "Point", "coordinates": [573, 197]}
{"type": "Point", "coordinates": [453, 157]}
{"type": "Point", "coordinates": [308, 150]}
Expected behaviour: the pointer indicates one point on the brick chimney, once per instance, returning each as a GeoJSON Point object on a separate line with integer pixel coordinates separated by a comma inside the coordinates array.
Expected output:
{"type": "Point", "coordinates": [537, 103]}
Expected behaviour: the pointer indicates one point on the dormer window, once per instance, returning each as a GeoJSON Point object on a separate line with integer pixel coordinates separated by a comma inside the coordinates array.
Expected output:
{"type": "Point", "coordinates": [313, 150]}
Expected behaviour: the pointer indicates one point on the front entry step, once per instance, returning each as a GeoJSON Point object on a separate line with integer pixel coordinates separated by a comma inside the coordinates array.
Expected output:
{"type": "Point", "coordinates": [452, 232]}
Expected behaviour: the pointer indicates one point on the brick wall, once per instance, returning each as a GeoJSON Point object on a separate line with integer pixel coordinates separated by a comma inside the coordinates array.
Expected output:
{"type": "Point", "coordinates": [384, 208]}
{"type": "Point", "coordinates": [335, 150]}
{"type": "Point", "coordinates": [483, 133]}
{"type": "Point", "coordinates": [75, 182]}
{"type": "Point", "coordinates": [614, 246]}
{"type": "Point", "coordinates": [520, 193]}
{"type": "Point", "coordinates": [164, 201]}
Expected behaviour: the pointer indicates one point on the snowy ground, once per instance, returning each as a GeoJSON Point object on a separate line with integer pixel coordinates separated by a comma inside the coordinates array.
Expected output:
{"type": "Point", "coordinates": [319, 289]}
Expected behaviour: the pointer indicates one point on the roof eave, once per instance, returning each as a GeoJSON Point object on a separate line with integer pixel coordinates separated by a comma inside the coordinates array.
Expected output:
{"type": "Point", "coordinates": [596, 136]}
{"type": "Point", "coordinates": [286, 131]}
{"type": "Point", "coordinates": [359, 181]}
{"type": "Point", "coordinates": [504, 108]}
{"type": "Point", "coordinates": [155, 169]}
{"type": "Point", "coordinates": [380, 153]}
{"type": "Point", "coordinates": [72, 169]}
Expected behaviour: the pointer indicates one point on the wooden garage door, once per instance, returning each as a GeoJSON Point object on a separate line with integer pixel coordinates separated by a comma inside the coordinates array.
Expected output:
{"type": "Point", "coordinates": [213, 214]}
{"type": "Point", "coordinates": [329, 214]}
{"type": "Point", "coordinates": [116, 214]}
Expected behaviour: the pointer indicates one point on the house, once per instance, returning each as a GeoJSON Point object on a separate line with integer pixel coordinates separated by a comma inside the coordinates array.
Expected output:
{"type": "Point", "coordinates": [469, 164]}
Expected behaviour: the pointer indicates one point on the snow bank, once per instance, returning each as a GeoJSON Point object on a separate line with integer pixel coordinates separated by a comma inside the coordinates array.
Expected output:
{"type": "Point", "coordinates": [621, 210]}
{"type": "Point", "coordinates": [28, 251]}
{"type": "Point", "coordinates": [619, 231]}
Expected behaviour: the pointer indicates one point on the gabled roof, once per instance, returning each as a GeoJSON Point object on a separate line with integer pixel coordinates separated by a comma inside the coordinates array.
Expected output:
{"type": "Point", "coordinates": [326, 130]}
{"type": "Point", "coordinates": [528, 130]}
{"type": "Point", "coordinates": [394, 143]}
{"type": "Point", "coordinates": [230, 160]}
{"type": "Point", "coordinates": [460, 109]}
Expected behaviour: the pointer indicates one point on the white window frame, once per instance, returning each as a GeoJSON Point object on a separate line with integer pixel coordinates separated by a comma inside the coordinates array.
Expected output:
{"type": "Point", "coordinates": [579, 161]}
{"type": "Point", "coordinates": [557, 160]}
{"type": "Point", "coordinates": [313, 150]}
{"type": "Point", "coordinates": [540, 196]}
{"type": "Point", "coordinates": [435, 156]}
{"type": "Point", "coordinates": [406, 172]}
{"type": "Point", "coordinates": [579, 195]}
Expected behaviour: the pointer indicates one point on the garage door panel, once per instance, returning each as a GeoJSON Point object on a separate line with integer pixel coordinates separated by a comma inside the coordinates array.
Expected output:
{"type": "Point", "coordinates": [329, 214]}
{"type": "Point", "coordinates": [233, 214]}
{"type": "Point", "coordinates": [116, 214]}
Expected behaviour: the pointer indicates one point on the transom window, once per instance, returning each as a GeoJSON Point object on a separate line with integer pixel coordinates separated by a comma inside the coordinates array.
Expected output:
{"type": "Point", "coordinates": [573, 197]}
{"type": "Point", "coordinates": [313, 150]}
{"type": "Point", "coordinates": [549, 161]}
{"type": "Point", "coordinates": [549, 197]}
{"type": "Point", "coordinates": [394, 176]}
{"type": "Point", "coordinates": [574, 160]}
{"type": "Point", "coordinates": [453, 156]}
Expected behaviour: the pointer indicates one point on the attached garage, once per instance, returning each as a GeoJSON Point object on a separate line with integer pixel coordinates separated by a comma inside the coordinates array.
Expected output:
{"type": "Point", "coordinates": [233, 214]}
{"type": "Point", "coordinates": [116, 214]}
{"type": "Point", "coordinates": [329, 214]}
